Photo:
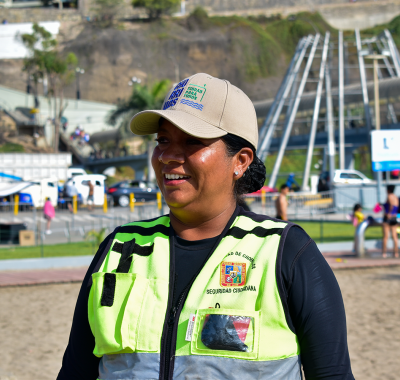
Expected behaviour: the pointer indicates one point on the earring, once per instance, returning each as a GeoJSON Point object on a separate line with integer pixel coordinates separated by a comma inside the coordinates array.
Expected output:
{"type": "Point", "coordinates": [236, 173]}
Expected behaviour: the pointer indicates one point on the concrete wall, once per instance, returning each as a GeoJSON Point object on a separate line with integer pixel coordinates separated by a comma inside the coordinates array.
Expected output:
{"type": "Point", "coordinates": [341, 14]}
{"type": "Point", "coordinates": [222, 6]}
{"type": "Point", "coordinates": [361, 15]}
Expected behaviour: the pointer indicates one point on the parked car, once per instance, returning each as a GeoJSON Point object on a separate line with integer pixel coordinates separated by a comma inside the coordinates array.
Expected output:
{"type": "Point", "coordinates": [347, 176]}
{"type": "Point", "coordinates": [143, 192]}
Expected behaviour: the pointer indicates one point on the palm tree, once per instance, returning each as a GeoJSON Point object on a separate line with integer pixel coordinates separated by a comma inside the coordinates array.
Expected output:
{"type": "Point", "coordinates": [141, 99]}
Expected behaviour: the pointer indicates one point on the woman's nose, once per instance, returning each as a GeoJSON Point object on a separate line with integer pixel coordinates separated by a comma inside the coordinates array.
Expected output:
{"type": "Point", "coordinates": [173, 153]}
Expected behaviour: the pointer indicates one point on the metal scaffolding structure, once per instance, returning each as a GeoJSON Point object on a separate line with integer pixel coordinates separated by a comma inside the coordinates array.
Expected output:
{"type": "Point", "coordinates": [332, 71]}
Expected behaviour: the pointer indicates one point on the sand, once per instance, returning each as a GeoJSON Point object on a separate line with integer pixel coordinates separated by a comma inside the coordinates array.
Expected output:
{"type": "Point", "coordinates": [35, 322]}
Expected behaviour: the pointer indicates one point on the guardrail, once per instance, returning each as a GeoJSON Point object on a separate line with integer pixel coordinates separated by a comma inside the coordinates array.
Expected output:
{"type": "Point", "coordinates": [299, 204]}
{"type": "Point", "coordinates": [69, 226]}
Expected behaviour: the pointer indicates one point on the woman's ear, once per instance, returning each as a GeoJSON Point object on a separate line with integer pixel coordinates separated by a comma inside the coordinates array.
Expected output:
{"type": "Point", "coordinates": [243, 160]}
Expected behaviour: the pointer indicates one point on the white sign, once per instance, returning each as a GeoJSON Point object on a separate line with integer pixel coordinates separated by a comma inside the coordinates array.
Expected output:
{"type": "Point", "coordinates": [385, 150]}
{"type": "Point", "coordinates": [11, 46]}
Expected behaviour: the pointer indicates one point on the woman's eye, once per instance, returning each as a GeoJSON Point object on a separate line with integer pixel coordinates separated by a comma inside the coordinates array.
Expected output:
{"type": "Point", "coordinates": [160, 140]}
{"type": "Point", "coordinates": [194, 142]}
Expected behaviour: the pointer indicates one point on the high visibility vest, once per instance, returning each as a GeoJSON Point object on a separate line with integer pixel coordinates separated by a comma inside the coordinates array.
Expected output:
{"type": "Point", "coordinates": [230, 325]}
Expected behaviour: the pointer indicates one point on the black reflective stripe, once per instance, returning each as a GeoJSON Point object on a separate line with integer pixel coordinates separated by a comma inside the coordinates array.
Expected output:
{"type": "Point", "coordinates": [145, 231]}
{"type": "Point", "coordinates": [117, 247]}
{"type": "Point", "coordinates": [261, 232]}
{"type": "Point", "coordinates": [128, 249]}
{"type": "Point", "coordinates": [107, 297]}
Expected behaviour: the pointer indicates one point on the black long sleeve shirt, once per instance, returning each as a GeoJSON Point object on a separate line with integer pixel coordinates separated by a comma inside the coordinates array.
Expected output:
{"type": "Point", "coordinates": [310, 294]}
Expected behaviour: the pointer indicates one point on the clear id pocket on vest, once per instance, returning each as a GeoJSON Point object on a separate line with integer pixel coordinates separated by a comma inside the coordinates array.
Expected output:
{"type": "Point", "coordinates": [114, 311]}
{"type": "Point", "coordinates": [226, 332]}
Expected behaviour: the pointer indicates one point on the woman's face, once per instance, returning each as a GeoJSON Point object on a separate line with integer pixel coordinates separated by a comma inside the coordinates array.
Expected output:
{"type": "Point", "coordinates": [194, 174]}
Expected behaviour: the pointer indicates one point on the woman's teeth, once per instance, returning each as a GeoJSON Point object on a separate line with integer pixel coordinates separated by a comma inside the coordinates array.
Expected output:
{"type": "Point", "coordinates": [175, 176]}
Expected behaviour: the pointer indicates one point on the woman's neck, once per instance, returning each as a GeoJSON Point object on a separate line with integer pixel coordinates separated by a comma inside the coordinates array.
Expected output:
{"type": "Point", "coordinates": [202, 227]}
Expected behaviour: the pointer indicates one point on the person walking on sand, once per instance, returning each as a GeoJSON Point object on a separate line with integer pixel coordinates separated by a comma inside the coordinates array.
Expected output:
{"type": "Point", "coordinates": [49, 214]}
{"type": "Point", "coordinates": [281, 203]}
{"type": "Point", "coordinates": [391, 208]}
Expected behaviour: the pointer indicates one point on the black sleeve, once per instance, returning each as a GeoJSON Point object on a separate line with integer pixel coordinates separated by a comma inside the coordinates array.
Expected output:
{"type": "Point", "coordinates": [79, 363]}
{"type": "Point", "coordinates": [314, 309]}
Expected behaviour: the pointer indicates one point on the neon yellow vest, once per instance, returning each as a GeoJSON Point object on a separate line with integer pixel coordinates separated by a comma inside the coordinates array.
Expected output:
{"type": "Point", "coordinates": [131, 294]}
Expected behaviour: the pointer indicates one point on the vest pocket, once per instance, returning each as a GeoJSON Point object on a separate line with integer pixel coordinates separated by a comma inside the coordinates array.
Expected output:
{"type": "Point", "coordinates": [226, 332]}
{"type": "Point", "coordinates": [117, 300]}
{"type": "Point", "coordinates": [152, 317]}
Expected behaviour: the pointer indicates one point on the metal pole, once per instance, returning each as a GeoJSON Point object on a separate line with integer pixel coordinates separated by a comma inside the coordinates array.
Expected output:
{"type": "Point", "coordinates": [288, 128]}
{"type": "Point", "coordinates": [363, 81]}
{"type": "Point", "coordinates": [314, 124]}
{"type": "Point", "coordinates": [264, 127]}
{"type": "Point", "coordinates": [341, 104]}
{"type": "Point", "coordinates": [376, 96]}
{"type": "Point", "coordinates": [377, 122]}
{"type": "Point", "coordinates": [393, 51]}
{"type": "Point", "coordinates": [331, 131]}
{"type": "Point", "coordinates": [265, 144]}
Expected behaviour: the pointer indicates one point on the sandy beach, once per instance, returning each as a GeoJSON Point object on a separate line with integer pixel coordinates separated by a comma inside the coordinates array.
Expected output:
{"type": "Point", "coordinates": [35, 323]}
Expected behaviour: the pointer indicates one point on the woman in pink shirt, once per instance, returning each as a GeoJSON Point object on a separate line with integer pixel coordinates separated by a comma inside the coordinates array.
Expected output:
{"type": "Point", "coordinates": [49, 214]}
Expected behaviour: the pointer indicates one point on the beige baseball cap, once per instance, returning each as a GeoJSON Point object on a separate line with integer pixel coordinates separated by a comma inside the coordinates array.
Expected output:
{"type": "Point", "coordinates": [205, 107]}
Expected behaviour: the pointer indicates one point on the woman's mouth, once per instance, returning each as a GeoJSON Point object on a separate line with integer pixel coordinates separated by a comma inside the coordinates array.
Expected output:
{"type": "Point", "coordinates": [175, 179]}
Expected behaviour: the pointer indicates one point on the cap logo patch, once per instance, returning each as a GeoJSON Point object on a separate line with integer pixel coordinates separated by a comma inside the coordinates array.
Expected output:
{"type": "Point", "coordinates": [192, 104]}
{"type": "Point", "coordinates": [194, 92]}
{"type": "Point", "coordinates": [176, 93]}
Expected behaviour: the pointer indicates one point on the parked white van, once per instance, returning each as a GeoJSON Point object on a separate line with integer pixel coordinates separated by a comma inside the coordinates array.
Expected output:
{"type": "Point", "coordinates": [81, 183]}
{"type": "Point", "coordinates": [42, 189]}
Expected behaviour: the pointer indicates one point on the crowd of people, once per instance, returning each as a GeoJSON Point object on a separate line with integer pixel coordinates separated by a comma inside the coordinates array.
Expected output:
{"type": "Point", "coordinates": [80, 135]}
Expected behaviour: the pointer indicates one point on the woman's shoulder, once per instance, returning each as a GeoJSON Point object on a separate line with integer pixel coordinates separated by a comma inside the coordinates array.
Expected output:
{"type": "Point", "coordinates": [160, 224]}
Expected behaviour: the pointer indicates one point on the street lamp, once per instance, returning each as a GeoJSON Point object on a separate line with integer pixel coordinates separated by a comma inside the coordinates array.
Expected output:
{"type": "Point", "coordinates": [375, 58]}
{"type": "Point", "coordinates": [134, 80]}
{"type": "Point", "coordinates": [79, 72]}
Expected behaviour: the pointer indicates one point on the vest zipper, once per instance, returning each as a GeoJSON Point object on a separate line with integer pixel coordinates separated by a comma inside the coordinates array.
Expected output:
{"type": "Point", "coordinates": [170, 325]}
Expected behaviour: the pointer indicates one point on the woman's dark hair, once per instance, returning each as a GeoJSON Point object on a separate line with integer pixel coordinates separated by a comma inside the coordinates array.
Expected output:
{"type": "Point", "coordinates": [390, 189]}
{"type": "Point", "coordinates": [254, 177]}
{"type": "Point", "coordinates": [356, 207]}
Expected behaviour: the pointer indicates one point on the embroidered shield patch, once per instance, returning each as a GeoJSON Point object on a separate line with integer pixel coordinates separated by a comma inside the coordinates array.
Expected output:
{"type": "Point", "coordinates": [233, 274]}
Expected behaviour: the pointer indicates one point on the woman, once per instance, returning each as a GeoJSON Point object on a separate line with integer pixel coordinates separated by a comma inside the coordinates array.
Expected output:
{"type": "Point", "coordinates": [208, 291]}
{"type": "Point", "coordinates": [49, 213]}
{"type": "Point", "coordinates": [391, 209]}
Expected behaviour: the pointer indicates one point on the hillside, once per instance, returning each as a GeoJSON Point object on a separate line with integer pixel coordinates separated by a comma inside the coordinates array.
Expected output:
{"type": "Point", "coordinates": [252, 53]}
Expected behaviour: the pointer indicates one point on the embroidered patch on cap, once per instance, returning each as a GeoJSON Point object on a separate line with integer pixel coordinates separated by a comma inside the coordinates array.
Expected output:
{"type": "Point", "coordinates": [233, 274]}
{"type": "Point", "coordinates": [192, 104]}
{"type": "Point", "coordinates": [175, 94]}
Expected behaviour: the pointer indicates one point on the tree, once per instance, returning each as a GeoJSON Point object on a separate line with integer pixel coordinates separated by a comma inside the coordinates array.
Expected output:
{"type": "Point", "coordinates": [141, 99]}
{"type": "Point", "coordinates": [45, 60]}
{"type": "Point", "coordinates": [155, 8]}
{"type": "Point", "coordinates": [106, 11]}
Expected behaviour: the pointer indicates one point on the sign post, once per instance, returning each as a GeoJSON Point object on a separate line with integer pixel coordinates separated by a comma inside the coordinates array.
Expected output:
{"type": "Point", "coordinates": [385, 152]}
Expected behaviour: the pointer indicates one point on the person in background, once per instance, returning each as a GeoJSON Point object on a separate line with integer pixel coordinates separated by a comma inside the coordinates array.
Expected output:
{"type": "Point", "coordinates": [70, 192]}
{"type": "Point", "coordinates": [281, 203]}
{"type": "Point", "coordinates": [90, 196]}
{"type": "Point", "coordinates": [49, 214]}
{"type": "Point", "coordinates": [357, 216]}
{"type": "Point", "coordinates": [391, 209]}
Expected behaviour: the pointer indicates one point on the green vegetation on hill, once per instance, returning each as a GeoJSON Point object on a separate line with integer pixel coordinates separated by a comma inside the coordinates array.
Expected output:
{"type": "Point", "coordinates": [11, 148]}
{"type": "Point", "coordinates": [264, 42]}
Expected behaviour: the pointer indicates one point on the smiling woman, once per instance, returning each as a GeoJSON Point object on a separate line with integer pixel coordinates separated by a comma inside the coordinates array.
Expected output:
{"type": "Point", "coordinates": [209, 291]}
